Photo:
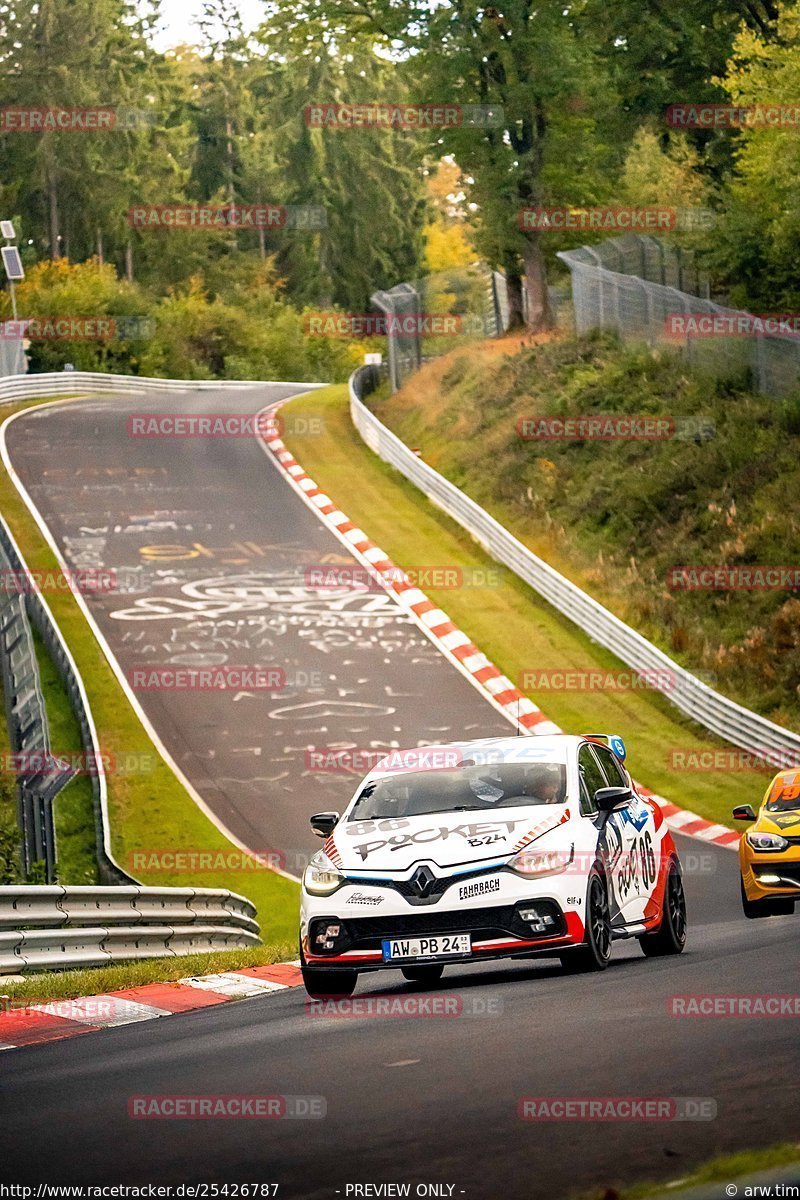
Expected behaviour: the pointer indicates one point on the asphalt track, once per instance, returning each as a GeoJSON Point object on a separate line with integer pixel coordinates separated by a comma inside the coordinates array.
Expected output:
{"type": "Point", "coordinates": [409, 1100]}
{"type": "Point", "coordinates": [220, 556]}
{"type": "Point", "coordinates": [434, 1100]}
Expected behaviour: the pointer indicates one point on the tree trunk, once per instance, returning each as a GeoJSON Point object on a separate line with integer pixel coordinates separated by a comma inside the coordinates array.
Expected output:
{"type": "Point", "coordinates": [540, 315]}
{"type": "Point", "coordinates": [516, 313]}
{"type": "Point", "coordinates": [52, 201]}
{"type": "Point", "coordinates": [100, 255]}
{"type": "Point", "coordinates": [129, 262]}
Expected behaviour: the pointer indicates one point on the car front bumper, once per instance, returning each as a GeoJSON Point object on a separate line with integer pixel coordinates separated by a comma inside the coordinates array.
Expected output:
{"type": "Point", "coordinates": [781, 869]}
{"type": "Point", "coordinates": [367, 916]}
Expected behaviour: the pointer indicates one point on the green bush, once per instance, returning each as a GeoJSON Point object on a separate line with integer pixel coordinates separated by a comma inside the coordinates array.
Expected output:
{"type": "Point", "coordinates": [243, 329]}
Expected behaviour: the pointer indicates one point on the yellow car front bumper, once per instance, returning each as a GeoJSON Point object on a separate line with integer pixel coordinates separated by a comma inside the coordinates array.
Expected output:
{"type": "Point", "coordinates": [774, 875]}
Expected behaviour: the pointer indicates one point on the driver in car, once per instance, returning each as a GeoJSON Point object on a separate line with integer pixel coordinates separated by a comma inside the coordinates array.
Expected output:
{"type": "Point", "coordinates": [544, 784]}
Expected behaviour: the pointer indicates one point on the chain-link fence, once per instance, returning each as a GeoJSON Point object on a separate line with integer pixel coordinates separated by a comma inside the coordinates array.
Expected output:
{"type": "Point", "coordinates": [647, 290]}
{"type": "Point", "coordinates": [430, 316]}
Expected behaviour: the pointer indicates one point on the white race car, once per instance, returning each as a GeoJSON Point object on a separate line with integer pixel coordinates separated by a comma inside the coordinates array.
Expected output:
{"type": "Point", "coordinates": [488, 849]}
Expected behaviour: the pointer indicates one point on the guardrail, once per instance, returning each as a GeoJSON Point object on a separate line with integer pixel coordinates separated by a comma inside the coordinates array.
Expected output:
{"type": "Point", "coordinates": [42, 777]}
{"type": "Point", "coordinates": [57, 383]}
{"type": "Point", "coordinates": [689, 694]}
{"type": "Point", "coordinates": [28, 721]}
{"type": "Point", "coordinates": [49, 927]}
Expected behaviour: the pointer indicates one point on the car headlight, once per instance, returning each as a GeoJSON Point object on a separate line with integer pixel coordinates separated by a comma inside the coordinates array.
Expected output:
{"type": "Point", "coordinates": [320, 877]}
{"type": "Point", "coordinates": [541, 862]}
{"type": "Point", "coordinates": [766, 841]}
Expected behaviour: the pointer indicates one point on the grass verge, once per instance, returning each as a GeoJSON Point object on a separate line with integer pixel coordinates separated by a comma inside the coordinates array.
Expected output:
{"type": "Point", "coordinates": [726, 1168]}
{"type": "Point", "coordinates": [149, 810]}
{"type": "Point", "coordinates": [507, 620]}
{"type": "Point", "coordinates": [617, 515]}
{"type": "Point", "coordinates": [96, 981]}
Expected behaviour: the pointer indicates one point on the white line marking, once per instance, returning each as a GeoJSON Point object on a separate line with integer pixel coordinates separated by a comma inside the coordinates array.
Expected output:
{"type": "Point", "coordinates": [228, 983]}
{"type": "Point", "coordinates": [106, 1011]}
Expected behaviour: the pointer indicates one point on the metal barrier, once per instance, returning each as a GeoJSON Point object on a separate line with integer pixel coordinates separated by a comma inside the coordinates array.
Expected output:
{"type": "Point", "coordinates": [59, 383]}
{"type": "Point", "coordinates": [44, 928]}
{"type": "Point", "coordinates": [40, 777]}
{"type": "Point", "coordinates": [39, 791]}
{"type": "Point", "coordinates": [647, 292]}
{"type": "Point", "coordinates": [696, 699]}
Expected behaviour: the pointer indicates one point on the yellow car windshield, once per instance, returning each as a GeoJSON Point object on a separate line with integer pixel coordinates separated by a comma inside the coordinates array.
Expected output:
{"type": "Point", "coordinates": [785, 794]}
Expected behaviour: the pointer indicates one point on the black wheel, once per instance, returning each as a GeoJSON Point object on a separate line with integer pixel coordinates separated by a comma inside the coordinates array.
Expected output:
{"type": "Point", "coordinates": [321, 982]}
{"type": "Point", "coordinates": [427, 975]}
{"type": "Point", "coordinates": [595, 953]}
{"type": "Point", "coordinates": [670, 937]}
{"type": "Point", "coordinates": [754, 910]}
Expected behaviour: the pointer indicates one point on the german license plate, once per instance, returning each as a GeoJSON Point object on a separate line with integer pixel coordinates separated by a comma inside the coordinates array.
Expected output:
{"type": "Point", "coordinates": [439, 946]}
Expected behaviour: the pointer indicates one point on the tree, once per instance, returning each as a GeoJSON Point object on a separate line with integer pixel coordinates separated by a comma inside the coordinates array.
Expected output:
{"type": "Point", "coordinates": [448, 241]}
{"type": "Point", "coordinates": [759, 245]}
{"type": "Point", "coordinates": [368, 182]}
{"type": "Point", "coordinates": [525, 68]}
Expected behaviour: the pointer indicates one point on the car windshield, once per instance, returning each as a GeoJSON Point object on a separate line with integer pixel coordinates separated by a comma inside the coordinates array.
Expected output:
{"type": "Point", "coordinates": [785, 796]}
{"type": "Point", "coordinates": [466, 789]}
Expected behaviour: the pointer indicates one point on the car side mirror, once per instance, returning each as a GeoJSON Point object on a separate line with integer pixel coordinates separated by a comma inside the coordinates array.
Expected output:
{"type": "Point", "coordinates": [324, 824]}
{"type": "Point", "coordinates": [612, 799]}
{"type": "Point", "coordinates": [744, 812]}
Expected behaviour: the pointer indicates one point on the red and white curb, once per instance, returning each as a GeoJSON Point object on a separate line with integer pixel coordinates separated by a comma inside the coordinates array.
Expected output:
{"type": "Point", "coordinates": [444, 633]}
{"type": "Point", "coordinates": [55, 1019]}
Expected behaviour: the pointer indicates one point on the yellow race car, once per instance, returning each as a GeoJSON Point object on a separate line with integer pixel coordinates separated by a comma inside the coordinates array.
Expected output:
{"type": "Point", "coordinates": [769, 852]}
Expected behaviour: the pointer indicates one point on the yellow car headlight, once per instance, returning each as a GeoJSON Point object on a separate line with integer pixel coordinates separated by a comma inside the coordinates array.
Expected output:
{"type": "Point", "coordinates": [765, 842]}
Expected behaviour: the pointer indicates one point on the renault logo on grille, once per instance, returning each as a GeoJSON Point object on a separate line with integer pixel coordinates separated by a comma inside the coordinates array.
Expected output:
{"type": "Point", "coordinates": [422, 881]}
